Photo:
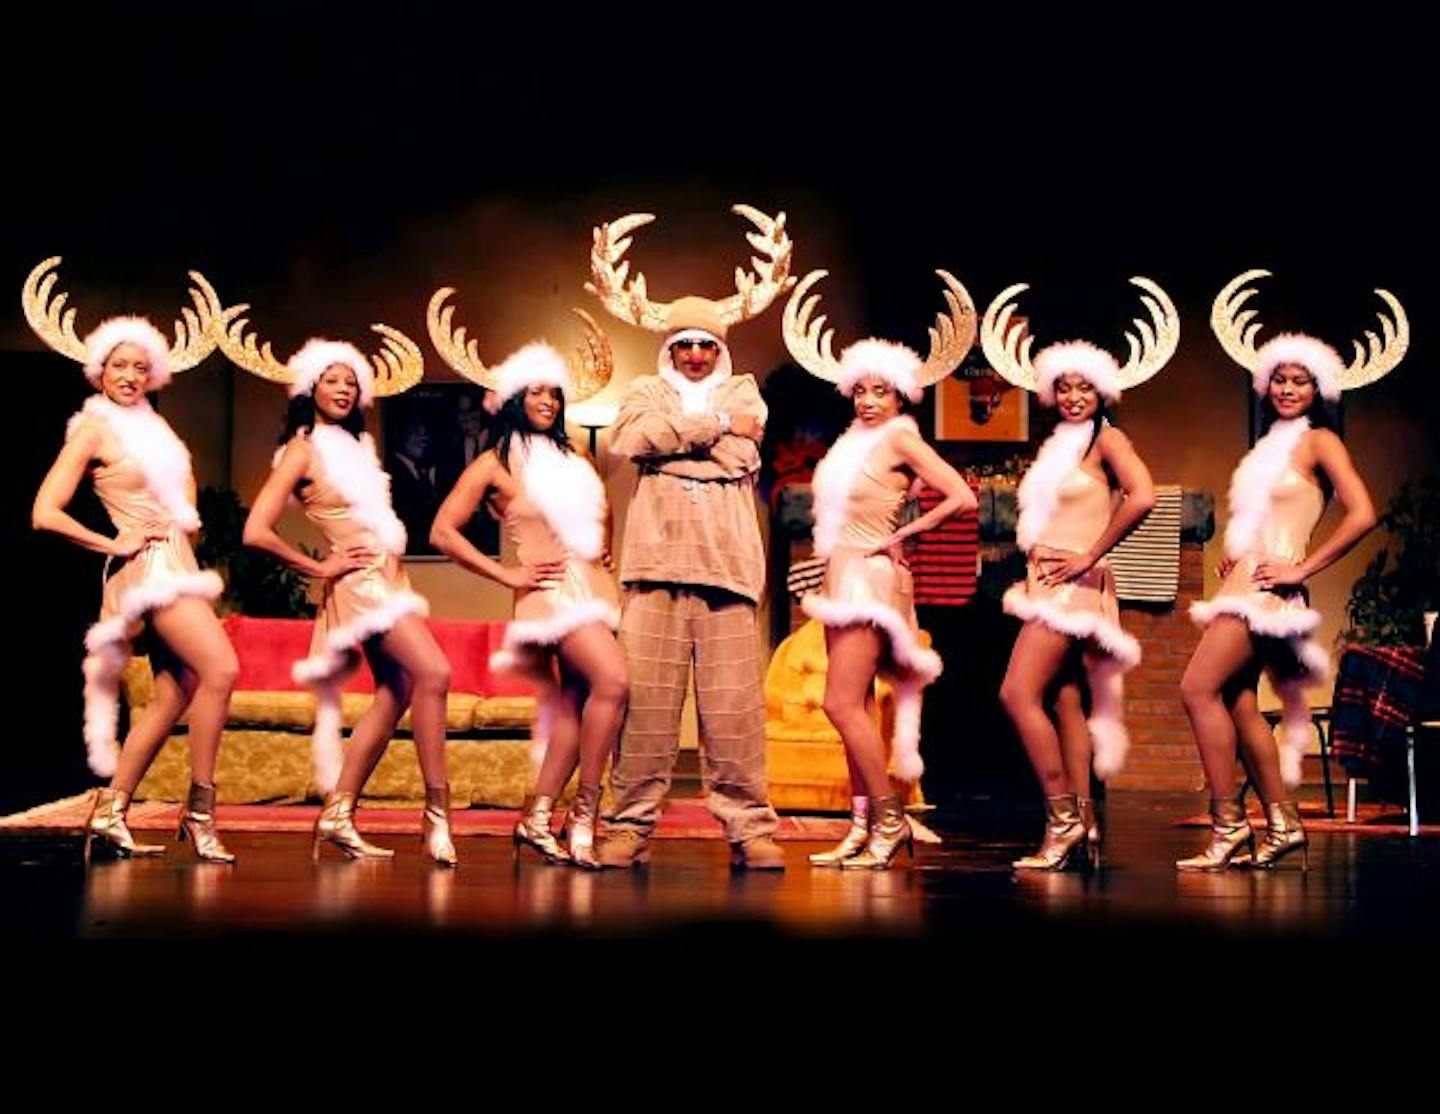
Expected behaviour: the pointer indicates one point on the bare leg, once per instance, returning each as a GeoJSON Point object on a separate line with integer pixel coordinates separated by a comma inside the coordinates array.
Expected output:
{"type": "Point", "coordinates": [1074, 734]}
{"type": "Point", "coordinates": [1038, 656]}
{"type": "Point", "coordinates": [192, 633]}
{"type": "Point", "coordinates": [373, 730]}
{"type": "Point", "coordinates": [1257, 741]}
{"type": "Point", "coordinates": [1224, 650]}
{"type": "Point", "coordinates": [593, 655]}
{"type": "Point", "coordinates": [854, 656]}
{"type": "Point", "coordinates": [562, 749]}
{"type": "Point", "coordinates": [411, 645]}
{"type": "Point", "coordinates": [148, 732]}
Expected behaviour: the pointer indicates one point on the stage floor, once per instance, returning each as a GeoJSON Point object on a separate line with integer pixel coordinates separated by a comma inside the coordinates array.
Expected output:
{"type": "Point", "coordinates": [1360, 886]}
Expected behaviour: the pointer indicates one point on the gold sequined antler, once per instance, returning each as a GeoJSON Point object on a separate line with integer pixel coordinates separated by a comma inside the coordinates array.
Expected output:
{"type": "Point", "coordinates": [808, 340]}
{"type": "Point", "coordinates": [1233, 326]}
{"type": "Point", "coordinates": [1158, 339]}
{"type": "Point", "coordinates": [1008, 349]}
{"type": "Point", "coordinates": [243, 350]}
{"type": "Point", "coordinates": [194, 339]}
{"type": "Point", "coordinates": [953, 335]}
{"type": "Point", "coordinates": [1378, 358]}
{"type": "Point", "coordinates": [399, 364]}
{"type": "Point", "coordinates": [630, 300]}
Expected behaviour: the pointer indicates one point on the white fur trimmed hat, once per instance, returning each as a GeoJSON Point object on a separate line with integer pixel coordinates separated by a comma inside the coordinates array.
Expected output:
{"type": "Point", "coordinates": [115, 331]}
{"type": "Point", "coordinates": [883, 359]}
{"type": "Point", "coordinates": [1315, 356]}
{"type": "Point", "coordinates": [535, 364]}
{"type": "Point", "coordinates": [317, 354]}
{"type": "Point", "coordinates": [1079, 357]}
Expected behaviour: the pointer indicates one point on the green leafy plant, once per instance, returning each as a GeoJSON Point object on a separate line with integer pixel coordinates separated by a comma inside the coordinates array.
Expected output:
{"type": "Point", "coordinates": [255, 583]}
{"type": "Point", "coordinates": [1402, 581]}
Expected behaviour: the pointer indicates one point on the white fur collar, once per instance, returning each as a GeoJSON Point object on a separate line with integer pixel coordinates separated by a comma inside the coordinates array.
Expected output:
{"type": "Point", "coordinates": [1039, 491]}
{"type": "Point", "coordinates": [694, 396]}
{"type": "Point", "coordinates": [353, 466]}
{"type": "Point", "coordinates": [837, 472]}
{"type": "Point", "coordinates": [1255, 478]}
{"type": "Point", "coordinates": [566, 490]}
{"type": "Point", "coordinates": [148, 440]}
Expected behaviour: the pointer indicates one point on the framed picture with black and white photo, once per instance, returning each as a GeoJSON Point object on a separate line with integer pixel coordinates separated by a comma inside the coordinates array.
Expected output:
{"type": "Point", "coordinates": [429, 435]}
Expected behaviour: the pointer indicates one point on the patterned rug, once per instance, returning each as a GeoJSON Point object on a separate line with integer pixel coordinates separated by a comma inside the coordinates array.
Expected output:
{"type": "Point", "coordinates": [682, 819]}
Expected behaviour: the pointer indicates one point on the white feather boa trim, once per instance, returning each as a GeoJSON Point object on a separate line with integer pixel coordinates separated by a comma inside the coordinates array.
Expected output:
{"type": "Point", "coordinates": [547, 632]}
{"type": "Point", "coordinates": [919, 666]}
{"type": "Point", "coordinates": [322, 672]}
{"type": "Point", "coordinates": [353, 467]}
{"type": "Point", "coordinates": [837, 472]}
{"type": "Point", "coordinates": [1109, 637]}
{"type": "Point", "coordinates": [147, 439]}
{"type": "Point", "coordinates": [1254, 480]}
{"type": "Point", "coordinates": [566, 489]}
{"type": "Point", "coordinates": [107, 649]}
{"type": "Point", "coordinates": [1039, 491]}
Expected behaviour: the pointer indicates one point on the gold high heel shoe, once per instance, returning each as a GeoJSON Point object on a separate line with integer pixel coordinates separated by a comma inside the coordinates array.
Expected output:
{"type": "Point", "coordinates": [1284, 835]}
{"type": "Point", "coordinates": [889, 831]}
{"type": "Point", "coordinates": [580, 827]}
{"type": "Point", "coordinates": [533, 829]}
{"type": "Point", "coordinates": [855, 838]}
{"type": "Point", "coordinates": [1064, 831]}
{"type": "Point", "coordinates": [336, 824]}
{"type": "Point", "coordinates": [1091, 820]}
{"type": "Point", "coordinates": [435, 827]}
{"type": "Point", "coordinates": [107, 824]}
{"type": "Point", "coordinates": [197, 823]}
{"type": "Point", "coordinates": [1229, 831]}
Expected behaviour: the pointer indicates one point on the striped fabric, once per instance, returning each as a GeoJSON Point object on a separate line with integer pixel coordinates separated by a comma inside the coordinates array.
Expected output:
{"type": "Point", "coordinates": [805, 576]}
{"type": "Point", "coordinates": [946, 561]}
{"type": "Point", "coordinates": [1147, 563]}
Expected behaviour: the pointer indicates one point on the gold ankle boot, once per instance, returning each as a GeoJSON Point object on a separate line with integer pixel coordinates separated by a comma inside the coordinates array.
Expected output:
{"type": "Point", "coordinates": [1284, 835]}
{"type": "Point", "coordinates": [197, 824]}
{"type": "Point", "coordinates": [854, 841]}
{"type": "Point", "coordinates": [107, 824]}
{"type": "Point", "coordinates": [1064, 831]}
{"type": "Point", "coordinates": [580, 827]}
{"type": "Point", "coordinates": [1091, 820]}
{"type": "Point", "coordinates": [1229, 831]}
{"type": "Point", "coordinates": [336, 824]}
{"type": "Point", "coordinates": [889, 831]}
{"type": "Point", "coordinates": [533, 830]}
{"type": "Point", "coordinates": [435, 827]}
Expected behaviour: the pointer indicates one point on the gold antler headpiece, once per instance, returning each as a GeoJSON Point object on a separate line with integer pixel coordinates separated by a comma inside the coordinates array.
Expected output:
{"type": "Point", "coordinates": [55, 325]}
{"type": "Point", "coordinates": [811, 343]}
{"type": "Point", "coordinates": [630, 300]}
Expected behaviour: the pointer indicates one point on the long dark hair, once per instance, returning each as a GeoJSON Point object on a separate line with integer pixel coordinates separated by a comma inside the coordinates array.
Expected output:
{"type": "Point", "coordinates": [300, 415]}
{"type": "Point", "coordinates": [511, 419]}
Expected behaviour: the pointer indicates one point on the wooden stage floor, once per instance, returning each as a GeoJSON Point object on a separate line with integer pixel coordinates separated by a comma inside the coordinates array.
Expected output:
{"type": "Point", "coordinates": [1360, 887]}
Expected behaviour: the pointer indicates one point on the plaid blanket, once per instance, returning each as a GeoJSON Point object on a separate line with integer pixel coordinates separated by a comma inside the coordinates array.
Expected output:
{"type": "Point", "coordinates": [1377, 692]}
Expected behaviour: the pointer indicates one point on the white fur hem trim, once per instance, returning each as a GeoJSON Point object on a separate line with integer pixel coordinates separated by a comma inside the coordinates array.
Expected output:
{"type": "Point", "coordinates": [331, 662]}
{"type": "Point", "coordinates": [922, 663]}
{"type": "Point", "coordinates": [1269, 624]}
{"type": "Point", "coordinates": [547, 632]}
{"type": "Point", "coordinates": [1107, 636]}
{"type": "Point", "coordinates": [1109, 739]}
{"type": "Point", "coordinates": [905, 761]}
{"type": "Point", "coordinates": [107, 649]}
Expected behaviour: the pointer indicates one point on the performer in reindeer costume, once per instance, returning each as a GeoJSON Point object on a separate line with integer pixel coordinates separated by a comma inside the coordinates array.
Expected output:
{"type": "Point", "coordinates": [328, 462]}
{"type": "Point", "coordinates": [692, 564]}
{"type": "Point", "coordinates": [867, 600]}
{"type": "Point", "coordinates": [552, 503]}
{"type": "Point", "coordinates": [1261, 617]}
{"type": "Point", "coordinates": [1086, 490]}
{"type": "Point", "coordinates": [141, 472]}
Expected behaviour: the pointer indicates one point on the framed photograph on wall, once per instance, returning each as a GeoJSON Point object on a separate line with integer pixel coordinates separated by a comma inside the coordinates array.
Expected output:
{"type": "Point", "coordinates": [975, 404]}
{"type": "Point", "coordinates": [429, 435]}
